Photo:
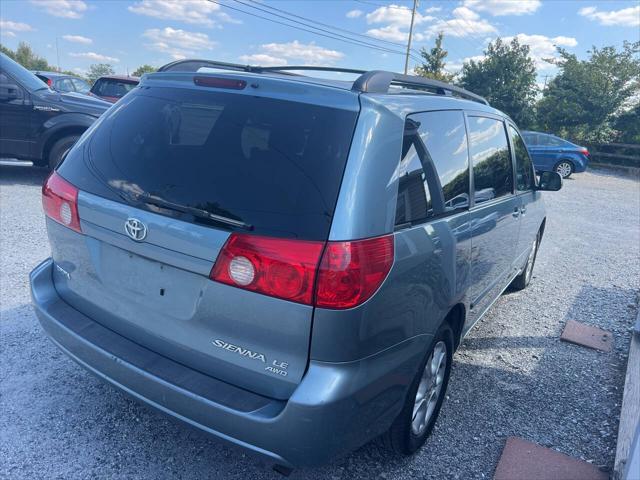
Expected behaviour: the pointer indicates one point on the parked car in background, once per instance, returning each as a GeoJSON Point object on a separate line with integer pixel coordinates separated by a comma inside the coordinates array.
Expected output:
{"type": "Point", "coordinates": [113, 87]}
{"type": "Point", "coordinates": [294, 260]}
{"type": "Point", "coordinates": [551, 153]}
{"type": "Point", "coordinates": [61, 82]}
{"type": "Point", "coordinates": [38, 124]}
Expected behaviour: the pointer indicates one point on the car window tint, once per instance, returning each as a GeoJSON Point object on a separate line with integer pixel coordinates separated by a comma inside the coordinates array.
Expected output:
{"type": "Point", "coordinates": [492, 169]}
{"type": "Point", "coordinates": [550, 141]}
{"type": "Point", "coordinates": [414, 199]}
{"type": "Point", "coordinates": [530, 139]}
{"type": "Point", "coordinates": [434, 170]}
{"type": "Point", "coordinates": [274, 164]}
{"type": "Point", "coordinates": [80, 85]}
{"type": "Point", "coordinates": [524, 168]}
{"type": "Point", "coordinates": [65, 85]}
{"type": "Point", "coordinates": [113, 88]}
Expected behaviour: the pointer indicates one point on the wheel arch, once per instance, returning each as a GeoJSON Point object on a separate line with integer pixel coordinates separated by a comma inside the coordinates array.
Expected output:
{"type": "Point", "coordinates": [57, 135]}
{"type": "Point", "coordinates": [456, 319]}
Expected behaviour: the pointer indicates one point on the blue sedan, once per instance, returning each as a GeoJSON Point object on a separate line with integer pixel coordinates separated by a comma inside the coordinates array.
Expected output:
{"type": "Point", "coordinates": [551, 153]}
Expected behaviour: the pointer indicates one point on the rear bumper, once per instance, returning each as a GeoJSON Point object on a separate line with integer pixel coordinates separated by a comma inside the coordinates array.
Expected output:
{"type": "Point", "coordinates": [336, 407]}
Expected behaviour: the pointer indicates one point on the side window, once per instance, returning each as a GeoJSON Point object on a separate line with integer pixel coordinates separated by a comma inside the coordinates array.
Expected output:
{"type": "Point", "coordinates": [80, 85]}
{"type": "Point", "coordinates": [530, 139]}
{"type": "Point", "coordinates": [552, 141]}
{"type": "Point", "coordinates": [414, 198]}
{"type": "Point", "coordinates": [434, 169]}
{"type": "Point", "coordinates": [65, 85]}
{"type": "Point", "coordinates": [525, 179]}
{"type": "Point", "coordinates": [489, 150]}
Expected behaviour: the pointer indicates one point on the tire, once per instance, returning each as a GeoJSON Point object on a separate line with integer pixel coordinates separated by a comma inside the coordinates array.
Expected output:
{"type": "Point", "coordinates": [523, 280]}
{"type": "Point", "coordinates": [60, 149]}
{"type": "Point", "coordinates": [406, 436]}
{"type": "Point", "coordinates": [565, 168]}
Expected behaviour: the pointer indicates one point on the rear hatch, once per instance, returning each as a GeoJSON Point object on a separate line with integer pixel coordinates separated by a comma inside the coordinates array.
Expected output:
{"type": "Point", "coordinates": [191, 165]}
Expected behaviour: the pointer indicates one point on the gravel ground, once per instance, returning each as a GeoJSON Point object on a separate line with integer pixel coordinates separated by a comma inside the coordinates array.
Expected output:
{"type": "Point", "coordinates": [512, 376]}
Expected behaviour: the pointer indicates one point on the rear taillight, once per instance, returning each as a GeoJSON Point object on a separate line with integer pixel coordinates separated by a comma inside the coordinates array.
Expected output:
{"type": "Point", "coordinates": [584, 151]}
{"type": "Point", "coordinates": [348, 273]}
{"type": "Point", "coordinates": [273, 266]}
{"type": "Point", "coordinates": [60, 201]}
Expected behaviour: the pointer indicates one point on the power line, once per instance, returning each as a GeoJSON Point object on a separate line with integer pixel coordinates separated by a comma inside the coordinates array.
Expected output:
{"type": "Point", "coordinates": [396, 44]}
{"type": "Point", "coordinates": [330, 35]}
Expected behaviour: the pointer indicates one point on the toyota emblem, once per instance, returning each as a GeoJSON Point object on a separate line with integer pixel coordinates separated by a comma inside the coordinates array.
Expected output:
{"type": "Point", "coordinates": [135, 229]}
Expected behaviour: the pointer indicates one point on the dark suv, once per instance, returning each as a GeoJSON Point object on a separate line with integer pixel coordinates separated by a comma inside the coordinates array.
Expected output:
{"type": "Point", "coordinates": [38, 124]}
{"type": "Point", "coordinates": [287, 262]}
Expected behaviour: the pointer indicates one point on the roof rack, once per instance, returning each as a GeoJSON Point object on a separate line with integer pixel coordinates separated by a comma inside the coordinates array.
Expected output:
{"type": "Point", "coordinates": [372, 81]}
{"type": "Point", "coordinates": [379, 81]}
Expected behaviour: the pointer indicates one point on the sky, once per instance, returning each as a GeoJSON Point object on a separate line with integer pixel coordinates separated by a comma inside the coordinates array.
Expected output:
{"type": "Point", "coordinates": [366, 34]}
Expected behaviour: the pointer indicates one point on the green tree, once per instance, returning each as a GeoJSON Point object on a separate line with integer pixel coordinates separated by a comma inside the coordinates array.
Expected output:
{"type": "Point", "coordinates": [98, 70]}
{"type": "Point", "coordinates": [433, 62]}
{"type": "Point", "coordinates": [26, 57]}
{"type": "Point", "coordinates": [583, 100]}
{"type": "Point", "coordinates": [506, 77]}
{"type": "Point", "coordinates": [142, 69]}
{"type": "Point", "coordinates": [8, 52]}
{"type": "Point", "coordinates": [628, 125]}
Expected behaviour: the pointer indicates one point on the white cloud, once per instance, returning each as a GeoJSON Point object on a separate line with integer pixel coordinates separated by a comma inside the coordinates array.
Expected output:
{"type": "Point", "coordinates": [499, 8]}
{"type": "Point", "coordinates": [177, 43]}
{"type": "Point", "coordinates": [78, 39]}
{"type": "Point", "coordinates": [464, 23]}
{"type": "Point", "coordinates": [63, 8]}
{"type": "Point", "coordinates": [542, 47]}
{"type": "Point", "coordinates": [626, 17]}
{"type": "Point", "coordinates": [8, 25]}
{"type": "Point", "coordinates": [396, 20]}
{"type": "Point", "coordinates": [196, 12]}
{"type": "Point", "coordinates": [308, 54]}
{"type": "Point", "coordinates": [7, 33]}
{"type": "Point", "coordinates": [263, 60]}
{"type": "Point", "coordinates": [433, 9]}
{"type": "Point", "coordinates": [98, 57]}
{"type": "Point", "coordinates": [354, 13]}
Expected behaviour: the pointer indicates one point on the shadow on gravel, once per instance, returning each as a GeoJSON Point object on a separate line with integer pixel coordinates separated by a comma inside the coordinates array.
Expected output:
{"type": "Point", "coordinates": [29, 176]}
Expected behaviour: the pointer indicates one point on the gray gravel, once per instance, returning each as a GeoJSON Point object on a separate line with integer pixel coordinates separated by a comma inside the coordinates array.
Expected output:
{"type": "Point", "coordinates": [512, 375]}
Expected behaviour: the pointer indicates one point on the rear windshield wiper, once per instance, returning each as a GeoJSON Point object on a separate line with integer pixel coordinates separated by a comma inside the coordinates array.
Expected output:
{"type": "Point", "coordinates": [196, 212]}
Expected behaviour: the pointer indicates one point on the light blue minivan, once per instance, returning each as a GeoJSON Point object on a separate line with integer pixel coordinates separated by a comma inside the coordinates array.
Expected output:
{"type": "Point", "coordinates": [283, 261]}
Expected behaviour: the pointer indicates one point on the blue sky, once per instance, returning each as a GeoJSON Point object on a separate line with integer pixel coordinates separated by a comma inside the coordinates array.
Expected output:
{"type": "Point", "coordinates": [130, 33]}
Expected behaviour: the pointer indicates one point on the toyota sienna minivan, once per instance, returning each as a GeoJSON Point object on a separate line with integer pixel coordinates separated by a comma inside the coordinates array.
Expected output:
{"type": "Point", "coordinates": [283, 261]}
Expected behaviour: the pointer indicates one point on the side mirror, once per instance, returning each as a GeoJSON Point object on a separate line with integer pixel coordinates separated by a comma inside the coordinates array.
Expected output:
{"type": "Point", "coordinates": [10, 92]}
{"type": "Point", "coordinates": [550, 181]}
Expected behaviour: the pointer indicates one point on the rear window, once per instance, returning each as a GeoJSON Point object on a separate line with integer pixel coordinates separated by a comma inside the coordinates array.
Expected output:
{"type": "Point", "coordinates": [107, 87]}
{"type": "Point", "coordinates": [273, 164]}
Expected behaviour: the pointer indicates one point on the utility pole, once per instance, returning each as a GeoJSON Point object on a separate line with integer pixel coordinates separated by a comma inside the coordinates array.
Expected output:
{"type": "Point", "coordinates": [57, 54]}
{"type": "Point", "coordinates": [413, 16]}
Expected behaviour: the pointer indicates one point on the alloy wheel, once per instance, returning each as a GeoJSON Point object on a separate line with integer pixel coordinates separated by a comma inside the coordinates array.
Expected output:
{"type": "Point", "coordinates": [564, 169]}
{"type": "Point", "coordinates": [429, 389]}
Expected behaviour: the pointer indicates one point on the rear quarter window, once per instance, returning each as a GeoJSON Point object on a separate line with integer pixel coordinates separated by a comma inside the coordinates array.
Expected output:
{"type": "Point", "coordinates": [433, 174]}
